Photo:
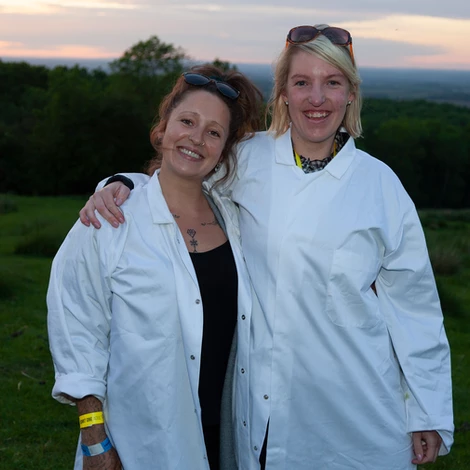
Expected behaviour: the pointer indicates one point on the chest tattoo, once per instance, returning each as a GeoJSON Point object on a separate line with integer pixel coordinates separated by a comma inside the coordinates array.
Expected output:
{"type": "Point", "coordinates": [214, 222]}
{"type": "Point", "coordinates": [204, 224]}
{"type": "Point", "coordinates": [193, 242]}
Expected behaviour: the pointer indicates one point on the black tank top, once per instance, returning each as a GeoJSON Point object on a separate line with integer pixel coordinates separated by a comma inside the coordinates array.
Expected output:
{"type": "Point", "coordinates": [218, 282]}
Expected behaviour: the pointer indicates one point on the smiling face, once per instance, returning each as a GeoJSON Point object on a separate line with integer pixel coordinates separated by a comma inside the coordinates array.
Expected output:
{"type": "Point", "coordinates": [317, 94]}
{"type": "Point", "coordinates": [195, 135]}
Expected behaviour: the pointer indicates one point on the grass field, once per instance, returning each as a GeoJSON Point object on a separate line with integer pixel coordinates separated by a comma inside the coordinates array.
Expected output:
{"type": "Point", "coordinates": [36, 433]}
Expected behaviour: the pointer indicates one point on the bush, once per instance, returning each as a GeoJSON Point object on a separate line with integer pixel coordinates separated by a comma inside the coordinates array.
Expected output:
{"type": "Point", "coordinates": [446, 260]}
{"type": "Point", "coordinates": [43, 244]}
{"type": "Point", "coordinates": [445, 218]}
{"type": "Point", "coordinates": [9, 281]}
{"type": "Point", "coordinates": [35, 226]}
{"type": "Point", "coordinates": [462, 244]}
{"type": "Point", "coordinates": [39, 237]}
{"type": "Point", "coordinates": [450, 304]}
{"type": "Point", "coordinates": [7, 205]}
{"type": "Point", "coordinates": [7, 289]}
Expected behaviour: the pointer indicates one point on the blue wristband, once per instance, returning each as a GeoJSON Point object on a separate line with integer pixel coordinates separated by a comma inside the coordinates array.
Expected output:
{"type": "Point", "coordinates": [97, 449]}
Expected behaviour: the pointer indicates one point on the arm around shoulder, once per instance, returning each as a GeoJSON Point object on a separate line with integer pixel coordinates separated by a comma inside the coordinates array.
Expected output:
{"type": "Point", "coordinates": [109, 196]}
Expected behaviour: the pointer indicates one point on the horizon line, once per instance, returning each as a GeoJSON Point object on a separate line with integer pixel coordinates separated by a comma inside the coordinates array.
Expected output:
{"type": "Point", "coordinates": [77, 61]}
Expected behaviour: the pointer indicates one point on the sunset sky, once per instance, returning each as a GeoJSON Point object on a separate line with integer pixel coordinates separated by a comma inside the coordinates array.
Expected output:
{"type": "Point", "coordinates": [386, 33]}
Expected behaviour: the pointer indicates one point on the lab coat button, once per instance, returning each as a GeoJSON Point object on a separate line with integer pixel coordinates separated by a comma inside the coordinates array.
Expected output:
{"type": "Point", "coordinates": [243, 317]}
{"type": "Point", "coordinates": [198, 301]}
{"type": "Point", "coordinates": [192, 357]}
{"type": "Point", "coordinates": [255, 447]}
{"type": "Point", "coordinates": [266, 397]}
{"type": "Point", "coordinates": [244, 423]}
{"type": "Point", "coordinates": [242, 370]}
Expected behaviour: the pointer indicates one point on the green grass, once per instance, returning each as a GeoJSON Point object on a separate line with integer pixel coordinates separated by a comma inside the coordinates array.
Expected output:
{"type": "Point", "coordinates": [7, 205]}
{"type": "Point", "coordinates": [448, 233]}
{"type": "Point", "coordinates": [37, 433]}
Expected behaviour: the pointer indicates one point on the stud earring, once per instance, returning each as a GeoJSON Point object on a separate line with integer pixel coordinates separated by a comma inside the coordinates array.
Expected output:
{"type": "Point", "coordinates": [349, 103]}
{"type": "Point", "coordinates": [286, 103]}
{"type": "Point", "coordinates": [217, 167]}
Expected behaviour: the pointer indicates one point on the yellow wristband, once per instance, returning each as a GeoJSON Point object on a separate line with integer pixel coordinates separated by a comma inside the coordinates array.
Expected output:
{"type": "Point", "coordinates": [90, 419]}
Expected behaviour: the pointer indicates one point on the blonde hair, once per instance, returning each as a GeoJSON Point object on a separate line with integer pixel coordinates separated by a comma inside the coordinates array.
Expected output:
{"type": "Point", "coordinates": [337, 56]}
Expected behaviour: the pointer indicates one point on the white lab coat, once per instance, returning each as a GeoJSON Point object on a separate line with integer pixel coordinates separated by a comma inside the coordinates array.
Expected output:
{"type": "Point", "coordinates": [344, 376]}
{"type": "Point", "coordinates": [125, 324]}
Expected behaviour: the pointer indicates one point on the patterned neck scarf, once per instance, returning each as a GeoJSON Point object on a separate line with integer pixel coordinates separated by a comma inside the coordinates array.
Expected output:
{"type": "Point", "coordinates": [310, 166]}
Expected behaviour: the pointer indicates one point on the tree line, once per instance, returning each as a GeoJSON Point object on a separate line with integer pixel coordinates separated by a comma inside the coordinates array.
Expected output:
{"type": "Point", "coordinates": [64, 128]}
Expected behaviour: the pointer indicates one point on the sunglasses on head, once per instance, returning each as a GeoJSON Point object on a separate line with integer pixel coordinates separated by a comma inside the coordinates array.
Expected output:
{"type": "Point", "coordinates": [198, 79]}
{"type": "Point", "coordinates": [337, 36]}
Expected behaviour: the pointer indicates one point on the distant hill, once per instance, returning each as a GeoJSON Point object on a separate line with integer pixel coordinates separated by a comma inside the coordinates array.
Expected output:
{"type": "Point", "coordinates": [446, 86]}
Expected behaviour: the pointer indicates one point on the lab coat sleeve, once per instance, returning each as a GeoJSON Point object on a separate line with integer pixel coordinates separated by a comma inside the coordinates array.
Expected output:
{"type": "Point", "coordinates": [79, 313]}
{"type": "Point", "coordinates": [409, 300]}
{"type": "Point", "coordinates": [137, 179]}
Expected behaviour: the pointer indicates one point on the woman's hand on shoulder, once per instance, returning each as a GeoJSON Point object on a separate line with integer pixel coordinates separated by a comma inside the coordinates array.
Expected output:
{"type": "Point", "coordinates": [426, 446]}
{"type": "Point", "coordinates": [106, 201]}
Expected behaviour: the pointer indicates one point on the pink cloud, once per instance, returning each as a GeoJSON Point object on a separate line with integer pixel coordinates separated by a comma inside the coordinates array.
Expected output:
{"type": "Point", "coordinates": [71, 51]}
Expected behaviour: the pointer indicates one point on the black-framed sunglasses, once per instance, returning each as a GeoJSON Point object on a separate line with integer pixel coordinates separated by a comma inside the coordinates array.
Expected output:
{"type": "Point", "coordinates": [304, 34]}
{"type": "Point", "coordinates": [198, 79]}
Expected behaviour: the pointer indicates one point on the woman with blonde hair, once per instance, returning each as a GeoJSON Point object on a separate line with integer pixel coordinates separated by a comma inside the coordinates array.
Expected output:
{"type": "Point", "coordinates": [350, 364]}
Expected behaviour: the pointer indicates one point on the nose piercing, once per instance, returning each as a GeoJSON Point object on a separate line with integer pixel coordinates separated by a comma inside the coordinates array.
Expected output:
{"type": "Point", "coordinates": [201, 143]}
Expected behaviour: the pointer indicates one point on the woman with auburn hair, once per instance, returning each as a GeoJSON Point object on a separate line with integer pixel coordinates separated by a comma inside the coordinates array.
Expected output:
{"type": "Point", "coordinates": [141, 320]}
{"type": "Point", "coordinates": [349, 361]}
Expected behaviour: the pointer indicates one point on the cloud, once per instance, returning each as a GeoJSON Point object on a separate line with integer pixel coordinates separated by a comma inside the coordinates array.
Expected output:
{"type": "Point", "coordinates": [7, 44]}
{"type": "Point", "coordinates": [41, 7]}
{"type": "Point", "coordinates": [72, 51]}
{"type": "Point", "coordinates": [98, 4]}
{"type": "Point", "coordinates": [385, 33]}
{"type": "Point", "coordinates": [27, 7]}
{"type": "Point", "coordinates": [427, 49]}
{"type": "Point", "coordinates": [364, 8]}
{"type": "Point", "coordinates": [447, 9]}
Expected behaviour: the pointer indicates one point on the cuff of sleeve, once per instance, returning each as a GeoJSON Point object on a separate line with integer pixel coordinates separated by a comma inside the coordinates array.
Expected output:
{"type": "Point", "coordinates": [77, 386]}
{"type": "Point", "coordinates": [447, 441]}
{"type": "Point", "coordinates": [123, 179]}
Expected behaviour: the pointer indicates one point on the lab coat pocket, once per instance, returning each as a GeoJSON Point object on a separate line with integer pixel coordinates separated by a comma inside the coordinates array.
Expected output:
{"type": "Point", "coordinates": [351, 302]}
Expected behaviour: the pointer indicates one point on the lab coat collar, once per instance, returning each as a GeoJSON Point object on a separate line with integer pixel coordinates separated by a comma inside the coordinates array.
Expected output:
{"type": "Point", "coordinates": [340, 164]}
{"type": "Point", "coordinates": [158, 206]}
{"type": "Point", "coordinates": [336, 168]}
{"type": "Point", "coordinates": [283, 149]}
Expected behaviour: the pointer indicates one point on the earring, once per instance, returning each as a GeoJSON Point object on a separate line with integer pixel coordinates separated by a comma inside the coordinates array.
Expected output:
{"type": "Point", "coordinates": [217, 167]}
{"type": "Point", "coordinates": [349, 103]}
{"type": "Point", "coordinates": [286, 103]}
